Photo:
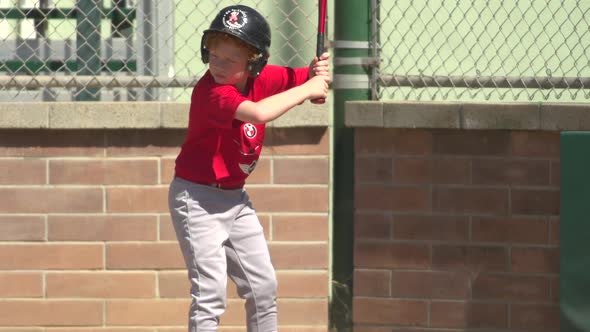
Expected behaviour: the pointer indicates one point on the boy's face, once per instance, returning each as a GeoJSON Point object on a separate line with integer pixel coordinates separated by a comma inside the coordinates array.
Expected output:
{"type": "Point", "coordinates": [228, 63]}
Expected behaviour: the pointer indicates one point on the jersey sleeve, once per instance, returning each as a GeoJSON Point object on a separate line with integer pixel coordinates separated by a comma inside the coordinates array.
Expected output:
{"type": "Point", "coordinates": [217, 104]}
{"type": "Point", "coordinates": [285, 78]}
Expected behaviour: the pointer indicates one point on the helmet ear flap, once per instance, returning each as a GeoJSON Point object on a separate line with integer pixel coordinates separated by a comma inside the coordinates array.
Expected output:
{"type": "Point", "coordinates": [204, 50]}
{"type": "Point", "coordinates": [256, 66]}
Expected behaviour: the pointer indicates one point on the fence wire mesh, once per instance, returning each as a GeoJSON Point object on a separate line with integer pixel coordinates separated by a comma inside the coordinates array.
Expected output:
{"type": "Point", "coordinates": [62, 50]}
{"type": "Point", "coordinates": [483, 50]}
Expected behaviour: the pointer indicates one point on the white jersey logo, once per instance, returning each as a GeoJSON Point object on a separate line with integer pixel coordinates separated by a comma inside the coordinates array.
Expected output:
{"type": "Point", "coordinates": [247, 169]}
{"type": "Point", "coordinates": [250, 130]}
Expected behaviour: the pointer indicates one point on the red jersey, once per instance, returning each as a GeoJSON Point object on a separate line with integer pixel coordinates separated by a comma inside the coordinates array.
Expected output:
{"type": "Point", "coordinates": [219, 148]}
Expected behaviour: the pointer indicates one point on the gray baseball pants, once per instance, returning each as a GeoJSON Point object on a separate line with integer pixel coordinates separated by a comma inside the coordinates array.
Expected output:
{"type": "Point", "coordinates": [219, 235]}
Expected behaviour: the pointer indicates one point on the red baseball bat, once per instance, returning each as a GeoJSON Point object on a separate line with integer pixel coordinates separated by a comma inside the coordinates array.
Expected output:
{"type": "Point", "coordinates": [322, 12]}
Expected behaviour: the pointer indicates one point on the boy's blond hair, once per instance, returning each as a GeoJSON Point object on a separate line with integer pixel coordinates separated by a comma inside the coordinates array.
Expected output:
{"type": "Point", "coordinates": [214, 38]}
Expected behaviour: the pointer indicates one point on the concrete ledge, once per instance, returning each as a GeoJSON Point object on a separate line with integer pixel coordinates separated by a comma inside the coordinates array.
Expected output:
{"type": "Point", "coordinates": [130, 115]}
{"type": "Point", "coordinates": [450, 115]}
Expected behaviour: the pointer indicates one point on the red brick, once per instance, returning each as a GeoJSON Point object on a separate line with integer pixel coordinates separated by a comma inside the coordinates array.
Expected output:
{"type": "Point", "coordinates": [470, 200]}
{"type": "Point", "coordinates": [412, 171]}
{"type": "Point", "coordinates": [555, 173]}
{"type": "Point", "coordinates": [23, 171]}
{"type": "Point", "coordinates": [555, 288]}
{"type": "Point", "coordinates": [265, 222]}
{"type": "Point", "coordinates": [167, 169]}
{"type": "Point", "coordinates": [535, 260]}
{"type": "Point", "coordinates": [291, 284]}
{"type": "Point", "coordinates": [534, 317]}
{"type": "Point", "coordinates": [102, 329]}
{"type": "Point", "coordinates": [144, 256]}
{"type": "Point", "coordinates": [299, 256]}
{"type": "Point", "coordinates": [51, 143]}
{"type": "Point", "coordinates": [301, 170]}
{"type": "Point", "coordinates": [301, 312]}
{"type": "Point", "coordinates": [372, 226]}
{"type": "Point", "coordinates": [173, 284]}
{"type": "Point", "coordinates": [137, 199]}
{"type": "Point", "coordinates": [510, 230]}
{"type": "Point", "coordinates": [535, 201]}
{"type": "Point", "coordinates": [536, 144]}
{"type": "Point", "coordinates": [21, 284]}
{"type": "Point", "coordinates": [511, 287]}
{"type": "Point", "coordinates": [472, 142]}
{"type": "Point", "coordinates": [373, 170]}
{"type": "Point", "coordinates": [165, 312]}
{"type": "Point", "coordinates": [303, 284]}
{"type": "Point", "coordinates": [427, 171]}
{"type": "Point", "coordinates": [50, 200]}
{"type": "Point", "coordinates": [22, 228]}
{"type": "Point", "coordinates": [376, 283]}
{"type": "Point", "coordinates": [387, 198]}
{"type": "Point", "coordinates": [468, 315]}
{"type": "Point", "coordinates": [448, 314]}
{"type": "Point", "coordinates": [285, 328]}
{"type": "Point", "coordinates": [102, 228]}
{"type": "Point", "coordinates": [51, 313]}
{"type": "Point", "coordinates": [373, 141]}
{"type": "Point", "coordinates": [554, 233]}
{"type": "Point", "coordinates": [101, 285]}
{"type": "Point", "coordinates": [432, 228]}
{"type": "Point", "coordinates": [390, 311]}
{"type": "Point", "coordinates": [262, 172]}
{"type": "Point", "coordinates": [511, 172]}
{"type": "Point", "coordinates": [167, 232]}
{"type": "Point", "coordinates": [50, 256]}
{"type": "Point", "coordinates": [300, 228]}
{"type": "Point", "coordinates": [103, 171]}
{"type": "Point", "coordinates": [411, 141]}
{"type": "Point", "coordinates": [153, 142]}
{"type": "Point", "coordinates": [391, 255]}
{"type": "Point", "coordinates": [431, 284]}
{"type": "Point", "coordinates": [290, 199]}
{"type": "Point", "coordinates": [470, 258]}
{"type": "Point", "coordinates": [451, 171]}
{"type": "Point", "coordinates": [297, 141]}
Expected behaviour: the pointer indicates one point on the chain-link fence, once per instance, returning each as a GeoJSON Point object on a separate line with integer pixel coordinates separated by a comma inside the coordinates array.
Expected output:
{"type": "Point", "coordinates": [517, 50]}
{"type": "Point", "coordinates": [61, 50]}
{"type": "Point", "coordinates": [428, 50]}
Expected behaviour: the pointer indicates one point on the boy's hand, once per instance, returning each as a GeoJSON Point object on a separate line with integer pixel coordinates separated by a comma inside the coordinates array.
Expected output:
{"type": "Point", "coordinates": [317, 86]}
{"type": "Point", "coordinates": [320, 66]}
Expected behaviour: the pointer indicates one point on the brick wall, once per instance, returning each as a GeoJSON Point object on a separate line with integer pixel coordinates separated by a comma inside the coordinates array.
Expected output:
{"type": "Point", "coordinates": [86, 242]}
{"type": "Point", "coordinates": [456, 230]}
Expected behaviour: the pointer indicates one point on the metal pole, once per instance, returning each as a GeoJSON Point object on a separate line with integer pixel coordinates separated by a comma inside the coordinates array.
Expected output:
{"type": "Point", "coordinates": [352, 19]}
{"type": "Point", "coordinates": [88, 16]}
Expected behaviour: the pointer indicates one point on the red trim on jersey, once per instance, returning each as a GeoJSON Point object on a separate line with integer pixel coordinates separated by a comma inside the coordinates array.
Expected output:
{"type": "Point", "coordinates": [219, 148]}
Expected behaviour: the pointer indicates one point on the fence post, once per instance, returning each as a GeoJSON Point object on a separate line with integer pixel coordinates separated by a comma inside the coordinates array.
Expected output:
{"type": "Point", "coordinates": [352, 20]}
{"type": "Point", "coordinates": [88, 16]}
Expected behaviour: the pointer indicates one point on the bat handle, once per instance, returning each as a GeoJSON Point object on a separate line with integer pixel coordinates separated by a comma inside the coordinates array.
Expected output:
{"type": "Point", "coordinates": [319, 51]}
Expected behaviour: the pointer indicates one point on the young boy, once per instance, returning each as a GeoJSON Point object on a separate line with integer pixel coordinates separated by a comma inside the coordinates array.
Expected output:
{"type": "Point", "coordinates": [216, 226]}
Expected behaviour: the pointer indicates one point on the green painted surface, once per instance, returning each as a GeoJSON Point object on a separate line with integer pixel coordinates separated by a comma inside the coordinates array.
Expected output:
{"type": "Point", "coordinates": [575, 232]}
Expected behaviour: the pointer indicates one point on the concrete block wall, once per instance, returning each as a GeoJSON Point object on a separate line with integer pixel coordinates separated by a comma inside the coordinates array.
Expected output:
{"type": "Point", "coordinates": [86, 242]}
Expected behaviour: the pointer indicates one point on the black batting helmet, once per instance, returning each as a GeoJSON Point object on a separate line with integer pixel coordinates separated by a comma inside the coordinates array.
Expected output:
{"type": "Point", "coordinates": [246, 24]}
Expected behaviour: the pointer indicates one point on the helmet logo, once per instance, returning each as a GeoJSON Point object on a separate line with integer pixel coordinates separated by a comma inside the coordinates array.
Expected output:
{"type": "Point", "coordinates": [235, 18]}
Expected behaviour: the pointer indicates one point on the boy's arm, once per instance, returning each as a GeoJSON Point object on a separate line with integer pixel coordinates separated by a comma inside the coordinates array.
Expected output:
{"type": "Point", "coordinates": [274, 106]}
